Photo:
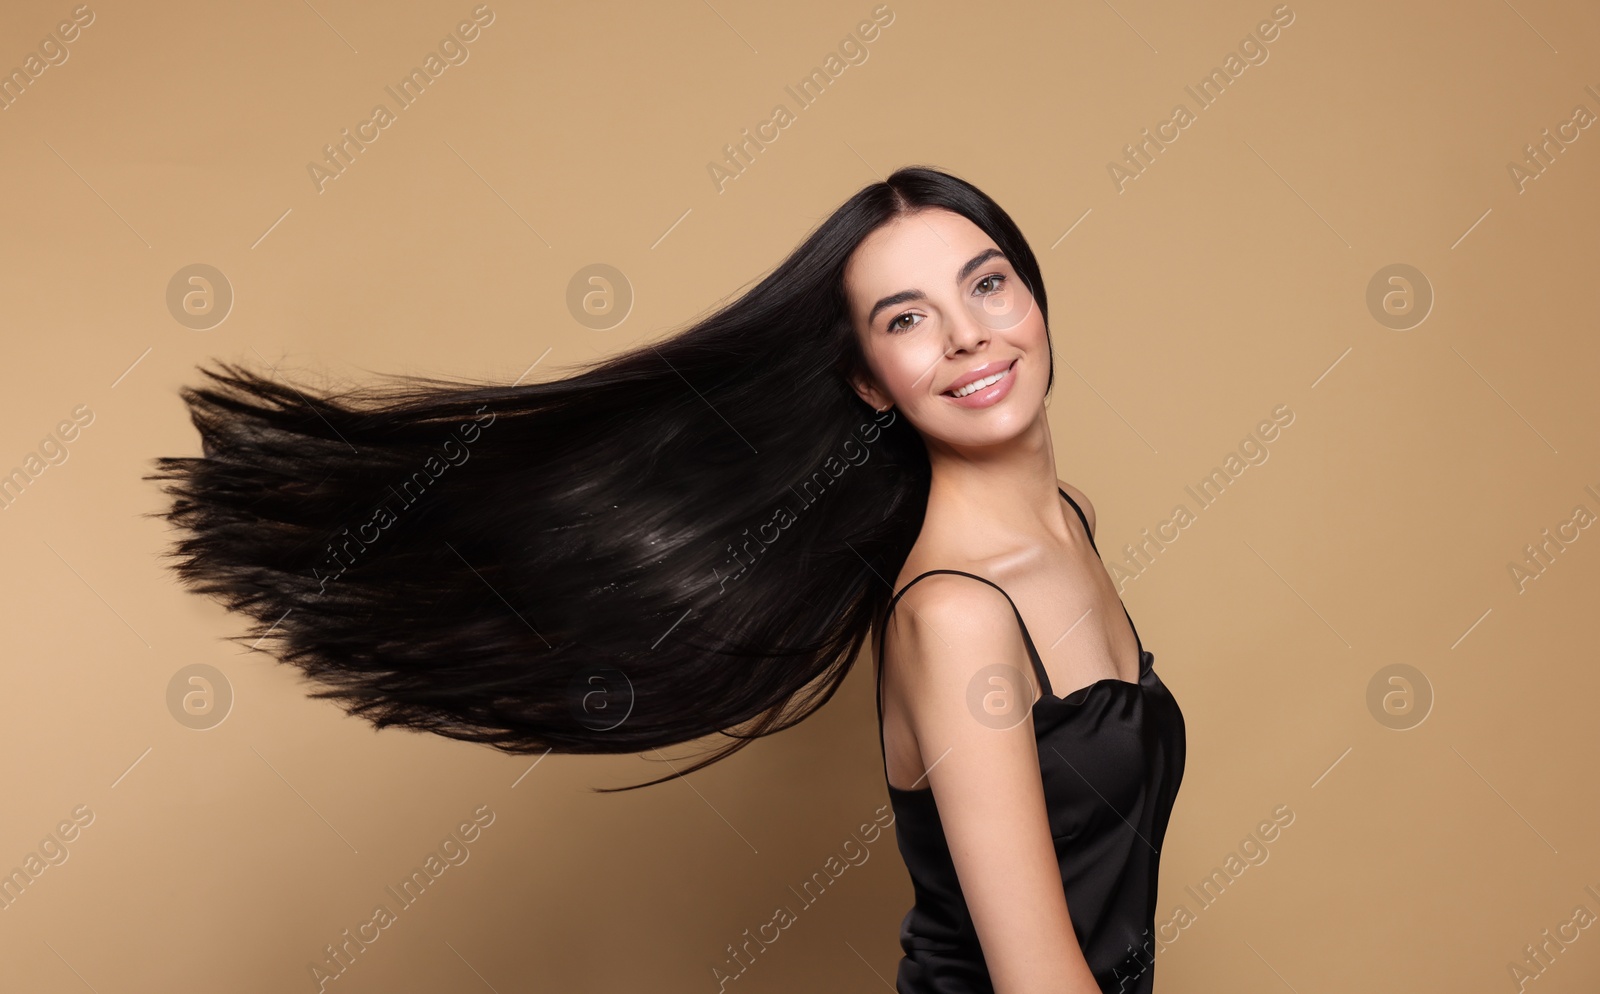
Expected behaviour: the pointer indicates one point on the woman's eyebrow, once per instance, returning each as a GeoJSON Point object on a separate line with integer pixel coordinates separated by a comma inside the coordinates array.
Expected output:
{"type": "Point", "coordinates": [905, 295]}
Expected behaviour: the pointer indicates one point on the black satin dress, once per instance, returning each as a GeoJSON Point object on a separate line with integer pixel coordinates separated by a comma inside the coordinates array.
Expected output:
{"type": "Point", "coordinates": [1111, 758]}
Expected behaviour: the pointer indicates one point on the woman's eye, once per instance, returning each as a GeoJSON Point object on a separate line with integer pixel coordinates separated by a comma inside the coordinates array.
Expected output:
{"type": "Point", "coordinates": [995, 282]}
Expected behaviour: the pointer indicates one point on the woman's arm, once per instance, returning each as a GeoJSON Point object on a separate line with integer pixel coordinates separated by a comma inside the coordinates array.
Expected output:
{"type": "Point", "coordinates": [986, 778]}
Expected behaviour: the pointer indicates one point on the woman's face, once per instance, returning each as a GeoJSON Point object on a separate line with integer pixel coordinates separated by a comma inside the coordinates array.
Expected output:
{"type": "Point", "coordinates": [937, 307]}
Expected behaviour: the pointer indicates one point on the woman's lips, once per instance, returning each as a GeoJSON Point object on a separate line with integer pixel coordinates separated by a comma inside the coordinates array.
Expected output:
{"type": "Point", "coordinates": [991, 394]}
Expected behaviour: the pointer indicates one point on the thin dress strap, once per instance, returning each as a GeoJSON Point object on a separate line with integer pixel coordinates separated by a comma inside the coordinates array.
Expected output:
{"type": "Point", "coordinates": [1086, 529]}
{"type": "Point", "coordinates": [1090, 532]}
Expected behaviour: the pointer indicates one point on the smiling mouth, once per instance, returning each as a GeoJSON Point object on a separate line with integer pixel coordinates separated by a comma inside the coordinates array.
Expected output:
{"type": "Point", "coordinates": [983, 384]}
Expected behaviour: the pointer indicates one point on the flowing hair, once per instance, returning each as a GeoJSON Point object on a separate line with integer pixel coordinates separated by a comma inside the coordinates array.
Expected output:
{"type": "Point", "coordinates": [695, 536]}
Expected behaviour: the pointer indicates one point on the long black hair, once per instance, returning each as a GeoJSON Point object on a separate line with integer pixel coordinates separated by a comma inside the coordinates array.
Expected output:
{"type": "Point", "coordinates": [692, 537]}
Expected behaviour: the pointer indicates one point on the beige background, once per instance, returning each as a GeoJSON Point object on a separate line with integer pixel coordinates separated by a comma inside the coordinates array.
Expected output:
{"type": "Point", "coordinates": [1227, 279]}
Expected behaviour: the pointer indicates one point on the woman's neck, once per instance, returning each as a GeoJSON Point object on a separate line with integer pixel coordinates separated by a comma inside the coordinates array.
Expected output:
{"type": "Point", "coordinates": [997, 496]}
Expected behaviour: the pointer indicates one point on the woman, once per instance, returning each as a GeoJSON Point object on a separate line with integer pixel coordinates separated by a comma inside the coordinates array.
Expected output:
{"type": "Point", "coordinates": [1031, 822]}
{"type": "Point", "coordinates": [690, 538]}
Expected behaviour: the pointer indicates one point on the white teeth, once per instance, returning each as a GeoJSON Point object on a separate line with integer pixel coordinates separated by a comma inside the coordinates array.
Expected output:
{"type": "Point", "coordinates": [975, 385]}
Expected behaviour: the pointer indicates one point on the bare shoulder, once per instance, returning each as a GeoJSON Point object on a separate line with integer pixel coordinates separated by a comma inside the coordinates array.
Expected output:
{"type": "Point", "coordinates": [1083, 502]}
{"type": "Point", "coordinates": [958, 645]}
{"type": "Point", "coordinates": [942, 617]}
{"type": "Point", "coordinates": [947, 629]}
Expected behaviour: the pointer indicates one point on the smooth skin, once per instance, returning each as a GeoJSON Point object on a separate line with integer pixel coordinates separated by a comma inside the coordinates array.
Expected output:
{"type": "Point", "coordinates": [992, 510]}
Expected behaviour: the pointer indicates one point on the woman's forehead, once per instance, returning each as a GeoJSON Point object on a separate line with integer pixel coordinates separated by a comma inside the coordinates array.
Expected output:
{"type": "Point", "coordinates": [923, 249]}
